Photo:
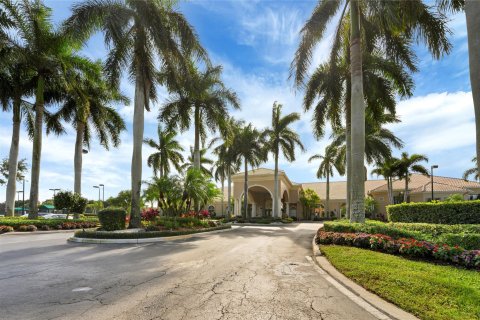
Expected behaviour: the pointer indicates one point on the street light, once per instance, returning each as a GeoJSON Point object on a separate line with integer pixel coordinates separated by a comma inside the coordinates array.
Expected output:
{"type": "Point", "coordinates": [54, 192]}
{"type": "Point", "coordinates": [98, 187]}
{"type": "Point", "coordinates": [84, 151]}
{"type": "Point", "coordinates": [431, 176]}
{"type": "Point", "coordinates": [103, 191]}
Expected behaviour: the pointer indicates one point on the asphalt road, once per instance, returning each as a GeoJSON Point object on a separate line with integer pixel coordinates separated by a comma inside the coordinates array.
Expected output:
{"type": "Point", "coordinates": [246, 273]}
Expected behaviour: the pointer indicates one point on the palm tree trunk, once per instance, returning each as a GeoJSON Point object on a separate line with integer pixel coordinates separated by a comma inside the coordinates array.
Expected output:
{"type": "Point", "coordinates": [229, 194]}
{"type": "Point", "coordinates": [37, 148]}
{"type": "Point", "coordinates": [196, 150]}
{"type": "Point", "coordinates": [245, 191]}
{"type": "Point", "coordinates": [138, 126]}
{"type": "Point", "coordinates": [275, 187]}
{"type": "Point", "coordinates": [77, 162]}
{"type": "Point", "coordinates": [348, 146]}
{"type": "Point", "coordinates": [358, 119]}
{"type": "Point", "coordinates": [389, 190]}
{"type": "Point", "coordinates": [472, 14]}
{"type": "Point", "coordinates": [13, 161]}
{"type": "Point", "coordinates": [223, 196]}
{"type": "Point", "coordinates": [327, 201]}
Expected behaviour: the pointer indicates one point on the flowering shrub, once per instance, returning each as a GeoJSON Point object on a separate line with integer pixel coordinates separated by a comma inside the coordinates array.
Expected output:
{"type": "Point", "coordinates": [5, 229]}
{"type": "Point", "coordinates": [202, 214]}
{"type": "Point", "coordinates": [404, 246]}
{"type": "Point", "coordinates": [150, 214]}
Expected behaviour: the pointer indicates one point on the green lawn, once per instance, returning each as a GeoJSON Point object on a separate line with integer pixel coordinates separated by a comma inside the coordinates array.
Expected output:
{"type": "Point", "coordinates": [427, 290]}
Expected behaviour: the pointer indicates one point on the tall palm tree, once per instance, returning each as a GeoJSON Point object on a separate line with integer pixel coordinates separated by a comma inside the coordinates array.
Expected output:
{"type": "Point", "coordinates": [472, 15]}
{"type": "Point", "coordinates": [249, 147]}
{"type": "Point", "coordinates": [203, 98]}
{"type": "Point", "coordinates": [87, 107]}
{"type": "Point", "coordinates": [408, 164]}
{"type": "Point", "coordinates": [167, 152]}
{"type": "Point", "coordinates": [472, 171]}
{"type": "Point", "coordinates": [332, 160]}
{"type": "Point", "coordinates": [388, 19]}
{"type": "Point", "coordinates": [388, 169]}
{"type": "Point", "coordinates": [46, 52]}
{"type": "Point", "coordinates": [281, 138]}
{"type": "Point", "coordinates": [204, 160]}
{"type": "Point", "coordinates": [220, 172]}
{"type": "Point", "coordinates": [141, 34]}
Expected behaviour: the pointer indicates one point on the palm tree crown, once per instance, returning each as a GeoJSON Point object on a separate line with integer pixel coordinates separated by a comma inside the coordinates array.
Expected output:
{"type": "Point", "coordinates": [408, 164]}
{"type": "Point", "coordinates": [168, 152]}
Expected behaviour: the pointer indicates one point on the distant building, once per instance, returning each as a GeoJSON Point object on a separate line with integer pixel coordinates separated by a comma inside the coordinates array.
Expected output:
{"type": "Point", "coordinates": [261, 185]}
{"type": "Point", "coordinates": [46, 208]}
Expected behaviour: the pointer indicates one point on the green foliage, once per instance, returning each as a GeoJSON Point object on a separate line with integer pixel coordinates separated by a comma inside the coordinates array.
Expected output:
{"type": "Point", "coordinates": [370, 206]}
{"type": "Point", "coordinates": [177, 222]}
{"type": "Point", "coordinates": [64, 200]}
{"type": "Point", "coordinates": [112, 219]}
{"type": "Point", "coordinates": [461, 212]}
{"type": "Point", "coordinates": [46, 224]}
{"type": "Point", "coordinates": [371, 227]}
{"type": "Point", "coordinates": [122, 200]}
{"type": "Point", "coordinates": [79, 204]}
{"type": "Point", "coordinates": [429, 291]}
{"type": "Point", "coordinates": [22, 169]}
{"type": "Point", "coordinates": [145, 234]}
{"type": "Point", "coordinates": [454, 197]}
{"type": "Point", "coordinates": [469, 241]}
{"type": "Point", "coordinates": [309, 200]}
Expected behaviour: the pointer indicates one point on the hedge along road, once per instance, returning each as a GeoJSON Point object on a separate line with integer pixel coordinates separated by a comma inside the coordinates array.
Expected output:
{"type": "Point", "coordinates": [247, 273]}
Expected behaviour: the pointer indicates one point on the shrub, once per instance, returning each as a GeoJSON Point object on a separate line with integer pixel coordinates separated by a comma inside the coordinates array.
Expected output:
{"type": "Point", "coordinates": [29, 227]}
{"type": "Point", "coordinates": [452, 212]}
{"type": "Point", "coordinates": [4, 229]}
{"type": "Point", "coordinates": [149, 214]}
{"type": "Point", "coordinates": [112, 219]}
{"type": "Point", "coordinates": [469, 241]}
{"type": "Point", "coordinates": [79, 204]}
{"type": "Point", "coordinates": [371, 227]}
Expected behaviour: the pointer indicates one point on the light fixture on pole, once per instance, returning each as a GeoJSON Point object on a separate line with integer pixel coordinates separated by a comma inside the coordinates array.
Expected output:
{"type": "Point", "coordinates": [98, 187]}
{"type": "Point", "coordinates": [54, 191]}
{"type": "Point", "coordinates": [103, 191]}
{"type": "Point", "coordinates": [431, 177]}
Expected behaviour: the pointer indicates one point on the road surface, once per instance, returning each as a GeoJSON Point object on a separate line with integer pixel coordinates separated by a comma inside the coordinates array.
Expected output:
{"type": "Point", "coordinates": [246, 273]}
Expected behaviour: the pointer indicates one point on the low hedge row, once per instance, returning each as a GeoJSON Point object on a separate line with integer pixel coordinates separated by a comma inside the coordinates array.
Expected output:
{"type": "Point", "coordinates": [455, 212]}
{"type": "Point", "coordinates": [48, 224]}
{"type": "Point", "coordinates": [408, 247]}
{"type": "Point", "coordinates": [470, 241]}
{"type": "Point", "coordinates": [372, 227]}
{"type": "Point", "coordinates": [143, 234]}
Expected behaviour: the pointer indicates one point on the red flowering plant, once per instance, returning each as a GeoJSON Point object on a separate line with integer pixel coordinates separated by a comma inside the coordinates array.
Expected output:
{"type": "Point", "coordinates": [379, 241]}
{"type": "Point", "coordinates": [414, 247]}
{"type": "Point", "coordinates": [362, 240]}
{"type": "Point", "coordinates": [447, 253]}
{"type": "Point", "coordinates": [203, 214]}
{"type": "Point", "coordinates": [149, 214]}
{"type": "Point", "coordinates": [190, 214]}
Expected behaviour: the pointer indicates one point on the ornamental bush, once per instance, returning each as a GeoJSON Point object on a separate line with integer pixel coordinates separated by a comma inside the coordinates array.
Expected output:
{"type": "Point", "coordinates": [112, 219]}
{"type": "Point", "coordinates": [469, 241]}
{"type": "Point", "coordinates": [454, 212]}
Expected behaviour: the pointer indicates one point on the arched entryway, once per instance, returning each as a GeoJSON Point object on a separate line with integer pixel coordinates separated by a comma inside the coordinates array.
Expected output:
{"type": "Point", "coordinates": [260, 201]}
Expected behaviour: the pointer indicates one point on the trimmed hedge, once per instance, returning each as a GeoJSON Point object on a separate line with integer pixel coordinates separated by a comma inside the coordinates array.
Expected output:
{"type": "Point", "coordinates": [112, 219]}
{"type": "Point", "coordinates": [143, 234]}
{"type": "Point", "coordinates": [371, 227]}
{"type": "Point", "coordinates": [469, 241]}
{"type": "Point", "coordinates": [459, 212]}
{"type": "Point", "coordinates": [49, 224]}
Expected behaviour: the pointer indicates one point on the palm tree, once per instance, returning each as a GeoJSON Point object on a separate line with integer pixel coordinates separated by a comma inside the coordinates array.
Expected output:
{"type": "Point", "coordinates": [330, 161]}
{"type": "Point", "coordinates": [203, 97]}
{"type": "Point", "coordinates": [249, 147]}
{"type": "Point", "coordinates": [388, 169]}
{"type": "Point", "coordinates": [281, 138]}
{"type": "Point", "coordinates": [472, 171]}
{"type": "Point", "coordinates": [387, 19]}
{"type": "Point", "coordinates": [203, 161]}
{"type": "Point", "coordinates": [86, 107]}
{"type": "Point", "coordinates": [46, 53]}
{"type": "Point", "coordinates": [167, 152]}
{"type": "Point", "coordinates": [220, 172]}
{"type": "Point", "coordinates": [472, 15]}
{"type": "Point", "coordinates": [408, 164]}
{"type": "Point", "coordinates": [22, 169]}
{"type": "Point", "coordinates": [141, 34]}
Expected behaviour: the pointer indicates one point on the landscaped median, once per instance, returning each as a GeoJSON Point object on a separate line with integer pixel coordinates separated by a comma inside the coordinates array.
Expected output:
{"type": "Point", "coordinates": [408, 265]}
{"type": "Point", "coordinates": [9, 224]}
{"type": "Point", "coordinates": [138, 236]}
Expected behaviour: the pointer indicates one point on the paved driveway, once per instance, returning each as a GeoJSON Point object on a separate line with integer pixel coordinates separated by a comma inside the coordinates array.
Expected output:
{"type": "Point", "coordinates": [247, 273]}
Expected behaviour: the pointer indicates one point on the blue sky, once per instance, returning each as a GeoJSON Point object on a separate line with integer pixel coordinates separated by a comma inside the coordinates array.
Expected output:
{"type": "Point", "coordinates": [255, 42]}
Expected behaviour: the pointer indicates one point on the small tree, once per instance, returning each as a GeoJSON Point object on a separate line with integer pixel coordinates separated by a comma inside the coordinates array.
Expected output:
{"type": "Point", "coordinates": [455, 197]}
{"type": "Point", "coordinates": [64, 200]}
{"type": "Point", "coordinates": [370, 207]}
{"type": "Point", "coordinates": [79, 205]}
{"type": "Point", "coordinates": [309, 200]}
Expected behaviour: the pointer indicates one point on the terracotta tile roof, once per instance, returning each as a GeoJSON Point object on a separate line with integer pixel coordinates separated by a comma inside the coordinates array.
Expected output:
{"type": "Point", "coordinates": [257, 172]}
{"type": "Point", "coordinates": [338, 189]}
{"type": "Point", "coordinates": [421, 183]}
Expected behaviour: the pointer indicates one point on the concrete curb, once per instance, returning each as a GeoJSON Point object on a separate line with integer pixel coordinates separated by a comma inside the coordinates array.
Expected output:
{"type": "Point", "coordinates": [143, 240]}
{"type": "Point", "coordinates": [389, 309]}
{"type": "Point", "coordinates": [283, 225]}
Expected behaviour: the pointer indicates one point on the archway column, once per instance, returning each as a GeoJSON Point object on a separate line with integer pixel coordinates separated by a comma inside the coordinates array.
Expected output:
{"type": "Point", "coordinates": [254, 209]}
{"type": "Point", "coordinates": [287, 210]}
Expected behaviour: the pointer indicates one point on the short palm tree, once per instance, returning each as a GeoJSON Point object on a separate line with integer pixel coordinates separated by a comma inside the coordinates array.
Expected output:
{"type": "Point", "coordinates": [47, 53]}
{"type": "Point", "coordinates": [167, 152]}
{"type": "Point", "coordinates": [472, 171]}
{"type": "Point", "coordinates": [388, 169]}
{"type": "Point", "coordinates": [141, 34]}
{"type": "Point", "coordinates": [281, 138]}
{"type": "Point", "coordinates": [408, 164]}
{"type": "Point", "coordinates": [248, 146]}
{"type": "Point", "coordinates": [87, 106]}
{"type": "Point", "coordinates": [388, 19]}
{"type": "Point", "coordinates": [330, 161]}
{"type": "Point", "coordinates": [201, 98]}
{"type": "Point", "coordinates": [204, 161]}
